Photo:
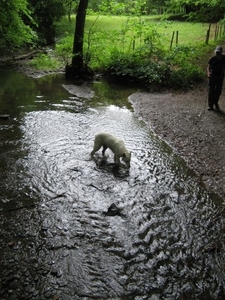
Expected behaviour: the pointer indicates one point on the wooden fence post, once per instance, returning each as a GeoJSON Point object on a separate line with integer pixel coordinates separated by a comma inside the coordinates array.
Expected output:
{"type": "Point", "coordinates": [133, 44]}
{"type": "Point", "coordinates": [216, 33]}
{"type": "Point", "coordinates": [171, 42]}
{"type": "Point", "coordinates": [208, 34]}
{"type": "Point", "coordinates": [207, 37]}
{"type": "Point", "coordinates": [220, 30]}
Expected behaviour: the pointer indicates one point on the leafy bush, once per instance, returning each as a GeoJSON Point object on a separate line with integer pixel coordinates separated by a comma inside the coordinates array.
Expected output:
{"type": "Point", "coordinates": [138, 68]}
{"type": "Point", "coordinates": [136, 53]}
{"type": "Point", "coordinates": [185, 77]}
{"type": "Point", "coordinates": [184, 64]}
{"type": "Point", "coordinates": [170, 71]}
{"type": "Point", "coordinates": [64, 49]}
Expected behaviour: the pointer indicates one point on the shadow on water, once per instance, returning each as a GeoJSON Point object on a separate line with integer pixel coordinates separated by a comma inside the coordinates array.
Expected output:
{"type": "Point", "coordinates": [75, 228]}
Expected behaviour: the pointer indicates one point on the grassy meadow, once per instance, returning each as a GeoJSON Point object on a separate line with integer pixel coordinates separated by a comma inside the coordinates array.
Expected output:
{"type": "Point", "coordinates": [188, 33]}
{"type": "Point", "coordinates": [135, 47]}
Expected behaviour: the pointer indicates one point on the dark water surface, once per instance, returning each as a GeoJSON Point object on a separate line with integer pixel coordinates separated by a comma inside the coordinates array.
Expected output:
{"type": "Point", "coordinates": [60, 240]}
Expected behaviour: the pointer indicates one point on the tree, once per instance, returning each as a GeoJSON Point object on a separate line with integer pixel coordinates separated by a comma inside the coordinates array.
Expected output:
{"type": "Point", "coordinates": [45, 13]}
{"type": "Point", "coordinates": [158, 5]}
{"type": "Point", "coordinates": [70, 5]}
{"type": "Point", "coordinates": [14, 32]}
{"type": "Point", "coordinates": [77, 68]}
{"type": "Point", "coordinates": [79, 34]}
{"type": "Point", "coordinates": [202, 10]}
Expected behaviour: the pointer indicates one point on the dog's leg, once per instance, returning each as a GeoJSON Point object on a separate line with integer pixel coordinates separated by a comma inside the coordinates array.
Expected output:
{"type": "Point", "coordinates": [103, 150]}
{"type": "Point", "coordinates": [93, 152]}
{"type": "Point", "coordinates": [96, 148]}
{"type": "Point", "coordinates": [118, 162]}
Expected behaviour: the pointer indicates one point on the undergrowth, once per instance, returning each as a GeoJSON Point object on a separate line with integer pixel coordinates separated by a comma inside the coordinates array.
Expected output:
{"type": "Point", "coordinates": [176, 71]}
{"type": "Point", "coordinates": [46, 62]}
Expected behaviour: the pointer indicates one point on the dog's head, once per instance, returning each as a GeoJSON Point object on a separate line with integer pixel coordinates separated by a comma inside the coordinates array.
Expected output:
{"type": "Point", "coordinates": [126, 157]}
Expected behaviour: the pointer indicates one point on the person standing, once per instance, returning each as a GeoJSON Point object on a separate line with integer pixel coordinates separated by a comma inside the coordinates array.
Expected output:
{"type": "Point", "coordinates": [215, 72]}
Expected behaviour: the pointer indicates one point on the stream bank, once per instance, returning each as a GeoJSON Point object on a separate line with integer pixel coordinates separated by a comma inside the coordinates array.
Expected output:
{"type": "Point", "coordinates": [195, 134]}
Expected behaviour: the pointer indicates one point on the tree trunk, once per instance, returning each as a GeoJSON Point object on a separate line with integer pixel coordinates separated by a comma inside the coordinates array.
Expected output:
{"type": "Point", "coordinates": [79, 33]}
{"type": "Point", "coordinates": [76, 69]}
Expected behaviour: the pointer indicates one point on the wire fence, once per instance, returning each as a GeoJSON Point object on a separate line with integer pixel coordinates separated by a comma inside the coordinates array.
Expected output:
{"type": "Point", "coordinates": [213, 33]}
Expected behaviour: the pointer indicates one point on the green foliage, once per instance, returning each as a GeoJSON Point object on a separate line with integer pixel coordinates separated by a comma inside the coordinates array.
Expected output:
{"type": "Point", "coordinates": [64, 27]}
{"type": "Point", "coordinates": [184, 63]}
{"type": "Point", "coordinates": [201, 10]}
{"type": "Point", "coordinates": [14, 31]}
{"type": "Point", "coordinates": [114, 7]}
{"type": "Point", "coordinates": [186, 77]}
{"type": "Point", "coordinates": [133, 36]}
{"type": "Point", "coordinates": [45, 13]}
{"type": "Point", "coordinates": [178, 69]}
{"type": "Point", "coordinates": [153, 73]}
{"type": "Point", "coordinates": [26, 22]}
{"type": "Point", "coordinates": [137, 49]}
{"type": "Point", "coordinates": [63, 49]}
{"type": "Point", "coordinates": [45, 62]}
{"type": "Point", "coordinates": [138, 69]}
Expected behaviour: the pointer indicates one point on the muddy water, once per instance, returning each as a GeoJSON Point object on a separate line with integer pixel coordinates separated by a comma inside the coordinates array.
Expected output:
{"type": "Point", "coordinates": [75, 228]}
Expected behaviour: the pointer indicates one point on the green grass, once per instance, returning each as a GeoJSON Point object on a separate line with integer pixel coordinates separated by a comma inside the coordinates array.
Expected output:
{"type": "Point", "coordinates": [139, 48]}
{"type": "Point", "coordinates": [188, 33]}
{"type": "Point", "coordinates": [105, 34]}
{"type": "Point", "coordinates": [45, 62]}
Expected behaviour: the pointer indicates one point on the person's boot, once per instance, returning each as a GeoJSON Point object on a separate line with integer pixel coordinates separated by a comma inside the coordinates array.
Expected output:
{"type": "Point", "coordinates": [217, 106]}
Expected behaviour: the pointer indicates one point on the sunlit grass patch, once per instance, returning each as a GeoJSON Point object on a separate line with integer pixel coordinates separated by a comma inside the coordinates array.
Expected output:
{"type": "Point", "coordinates": [45, 62]}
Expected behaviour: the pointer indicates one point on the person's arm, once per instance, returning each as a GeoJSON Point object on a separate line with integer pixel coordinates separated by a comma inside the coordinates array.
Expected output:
{"type": "Point", "coordinates": [209, 70]}
{"type": "Point", "coordinates": [223, 69]}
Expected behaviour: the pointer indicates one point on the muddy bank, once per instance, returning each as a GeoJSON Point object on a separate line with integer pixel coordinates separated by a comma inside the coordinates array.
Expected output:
{"type": "Point", "coordinates": [196, 134]}
{"type": "Point", "coordinates": [22, 65]}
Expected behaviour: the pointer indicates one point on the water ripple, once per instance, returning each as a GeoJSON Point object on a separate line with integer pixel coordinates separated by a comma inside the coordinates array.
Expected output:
{"type": "Point", "coordinates": [162, 242]}
{"type": "Point", "coordinates": [156, 246]}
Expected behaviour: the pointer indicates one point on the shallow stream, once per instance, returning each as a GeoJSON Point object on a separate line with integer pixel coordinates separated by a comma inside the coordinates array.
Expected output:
{"type": "Point", "coordinates": [74, 228]}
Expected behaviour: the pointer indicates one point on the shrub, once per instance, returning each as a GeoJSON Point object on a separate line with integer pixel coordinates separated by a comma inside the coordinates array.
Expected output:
{"type": "Point", "coordinates": [176, 72]}
{"type": "Point", "coordinates": [63, 49]}
{"type": "Point", "coordinates": [138, 68]}
{"type": "Point", "coordinates": [185, 77]}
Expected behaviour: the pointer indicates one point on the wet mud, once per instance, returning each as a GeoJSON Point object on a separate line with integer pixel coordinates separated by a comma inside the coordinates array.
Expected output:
{"type": "Point", "coordinates": [76, 228]}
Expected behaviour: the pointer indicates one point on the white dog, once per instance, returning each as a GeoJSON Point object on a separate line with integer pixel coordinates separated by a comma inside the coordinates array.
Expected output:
{"type": "Point", "coordinates": [117, 146]}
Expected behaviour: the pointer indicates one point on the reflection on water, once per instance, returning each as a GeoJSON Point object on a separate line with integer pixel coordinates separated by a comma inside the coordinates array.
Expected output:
{"type": "Point", "coordinates": [57, 238]}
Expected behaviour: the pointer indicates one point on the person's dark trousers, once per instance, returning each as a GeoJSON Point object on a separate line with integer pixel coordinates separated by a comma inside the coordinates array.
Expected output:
{"type": "Point", "coordinates": [215, 90]}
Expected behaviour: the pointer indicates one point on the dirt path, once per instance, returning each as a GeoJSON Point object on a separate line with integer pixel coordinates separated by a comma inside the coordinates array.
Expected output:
{"type": "Point", "coordinates": [196, 134]}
